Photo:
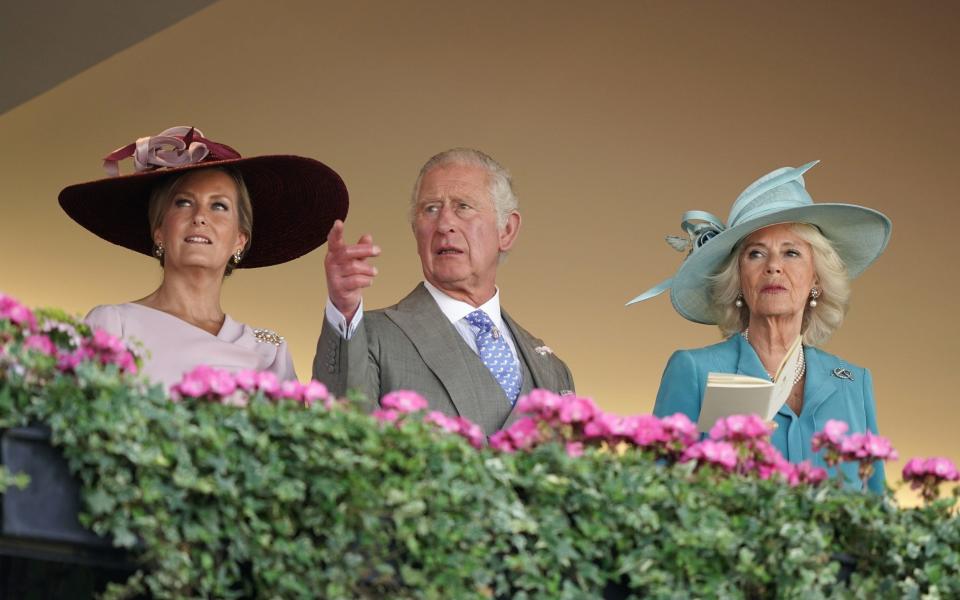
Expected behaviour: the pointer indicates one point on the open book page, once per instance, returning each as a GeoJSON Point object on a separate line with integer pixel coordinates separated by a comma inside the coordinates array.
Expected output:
{"type": "Point", "coordinates": [732, 394]}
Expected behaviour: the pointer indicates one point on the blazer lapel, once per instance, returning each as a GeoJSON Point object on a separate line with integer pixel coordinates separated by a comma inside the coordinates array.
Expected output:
{"type": "Point", "coordinates": [525, 346]}
{"type": "Point", "coordinates": [748, 363]}
{"type": "Point", "coordinates": [820, 382]}
{"type": "Point", "coordinates": [441, 348]}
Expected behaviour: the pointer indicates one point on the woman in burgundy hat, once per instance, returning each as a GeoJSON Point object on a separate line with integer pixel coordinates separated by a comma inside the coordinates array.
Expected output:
{"type": "Point", "coordinates": [203, 211]}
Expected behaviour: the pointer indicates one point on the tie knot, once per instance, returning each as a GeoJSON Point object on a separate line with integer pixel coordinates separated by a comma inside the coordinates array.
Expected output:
{"type": "Point", "coordinates": [480, 320]}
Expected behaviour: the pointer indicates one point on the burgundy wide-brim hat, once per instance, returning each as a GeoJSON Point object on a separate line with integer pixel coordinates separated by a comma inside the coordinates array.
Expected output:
{"type": "Point", "coordinates": [295, 199]}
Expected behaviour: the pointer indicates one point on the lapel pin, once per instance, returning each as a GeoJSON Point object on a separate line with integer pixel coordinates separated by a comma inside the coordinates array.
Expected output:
{"type": "Point", "coordinates": [543, 350]}
{"type": "Point", "coordinates": [843, 373]}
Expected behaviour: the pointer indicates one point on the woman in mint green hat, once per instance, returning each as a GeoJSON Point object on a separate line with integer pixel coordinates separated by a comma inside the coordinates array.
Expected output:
{"type": "Point", "coordinates": [778, 270]}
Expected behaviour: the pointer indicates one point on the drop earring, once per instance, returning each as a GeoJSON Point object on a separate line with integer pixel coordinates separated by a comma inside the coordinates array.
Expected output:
{"type": "Point", "coordinates": [814, 294]}
{"type": "Point", "coordinates": [739, 301]}
{"type": "Point", "coordinates": [158, 250]}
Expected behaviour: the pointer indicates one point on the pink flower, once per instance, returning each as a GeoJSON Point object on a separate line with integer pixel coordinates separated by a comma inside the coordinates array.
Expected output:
{"type": "Point", "coordinates": [524, 433]}
{"type": "Point", "coordinates": [914, 468]}
{"type": "Point", "coordinates": [722, 454]}
{"type": "Point", "coordinates": [879, 447]}
{"type": "Point", "coordinates": [764, 460]}
{"type": "Point", "coordinates": [404, 401]}
{"type": "Point", "coordinates": [834, 430]}
{"type": "Point", "coordinates": [126, 362]}
{"type": "Point", "coordinates": [928, 474]}
{"type": "Point", "coordinates": [575, 409]}
{"type": "Point", "coordinates": [740, 428]}
{"type": "Point", "coordinates": [314, 391]}
{"type": "Point", "coordinates": [191, 387]}
{"type": "Point", "coordinates": [544, 403]}
{"type": "Point", "coordinates": [104, 341]}
{"type": "Point", "coordinates": [501, 442]}
{"type": "Point", "coordinates": [806, 473]}
{"type": "Point", "coordinates": [604, 426]}
{"type": "Point", "coordinates": [40, 343]}
{"type": "Point", "coordinates": [471, 432]}
{"type": "Point", "coordinates": [680, 428]}
{"type": "Point", "coordinates": [448, 424]}
{"type": "Point", "coordinates": [69, 361]}
{"type": "Point", "coordinates": [574, 449]}
{"type": "Point", "coordinates": [246, 380]}
{"type": "Point", "coordinates": [942, 468]}
{"type": "Point", "coordinates": [290, 390]}
{"type": "Point", "coordinates": [17, 313]}
{"type": "Point", "coordinates": [221, 383]}
{"type": "Point", "coordinates": [267, 382]}
{"type": "Point", "coordinates": [238, 398]}
{"type": "Point", "coordinates": [386, 415]}
{"type": "Point", "coordinates": [645, 430]}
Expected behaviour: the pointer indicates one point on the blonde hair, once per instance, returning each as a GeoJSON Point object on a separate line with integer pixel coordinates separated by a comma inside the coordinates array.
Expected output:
{"type": "Point", "coordinates": [162, 194]}
{"type": "Point", "coordinates": [818, 323]}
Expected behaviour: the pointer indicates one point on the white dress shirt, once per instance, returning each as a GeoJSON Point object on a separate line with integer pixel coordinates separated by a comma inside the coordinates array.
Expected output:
{"type": "Point", "coordinates": [455, 311]}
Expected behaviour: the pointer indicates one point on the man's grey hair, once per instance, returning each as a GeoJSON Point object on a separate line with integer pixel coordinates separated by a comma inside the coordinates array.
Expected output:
{"type": "Point", "coordinates": [500, 183]}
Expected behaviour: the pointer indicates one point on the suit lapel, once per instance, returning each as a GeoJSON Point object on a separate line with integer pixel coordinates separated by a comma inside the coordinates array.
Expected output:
{"type": "Point", "coordinates": [536, 366]}
{"type": "Point", "coordinates": [820, 383]}
{"type": "Point", "coordinates": [748, 363]}
{"type": "Point", "coordinates": [441, 348]}
{"type": "Point", "coordinates": [525, 346]}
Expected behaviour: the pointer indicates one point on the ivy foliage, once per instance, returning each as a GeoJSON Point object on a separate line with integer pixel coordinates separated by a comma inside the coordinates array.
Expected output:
{"type": "Point", "coordinates": [282, 500]}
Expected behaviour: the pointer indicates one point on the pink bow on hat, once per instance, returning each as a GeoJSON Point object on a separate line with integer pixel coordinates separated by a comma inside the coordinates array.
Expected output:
{"type": "Point", "coordinates": [174, 147]}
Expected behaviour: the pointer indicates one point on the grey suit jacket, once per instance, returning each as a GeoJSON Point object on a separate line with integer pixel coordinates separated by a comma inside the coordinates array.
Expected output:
{"type": "Point", "coordinates": [413, 346]}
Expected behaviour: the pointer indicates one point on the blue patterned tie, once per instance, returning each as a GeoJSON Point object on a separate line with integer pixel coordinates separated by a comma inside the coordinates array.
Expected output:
{"type": "Point", "coordinates": [495, 354]}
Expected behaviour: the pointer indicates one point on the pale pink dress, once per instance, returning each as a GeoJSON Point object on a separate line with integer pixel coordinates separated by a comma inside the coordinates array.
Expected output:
{"type": "Point", "coordinates": [171, 347]}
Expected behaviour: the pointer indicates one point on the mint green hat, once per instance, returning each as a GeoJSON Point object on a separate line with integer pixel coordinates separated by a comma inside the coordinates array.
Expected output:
{"type": "Point", "coordinates": [858, 234]}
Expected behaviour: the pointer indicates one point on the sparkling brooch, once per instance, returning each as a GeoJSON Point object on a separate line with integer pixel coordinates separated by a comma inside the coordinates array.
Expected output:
{"type": "Point", "coordinates": [543, 350]}
{"type": "Point", "coordinates": [268, 337]}
{"type": "Point", "coordinates": [843, 373]}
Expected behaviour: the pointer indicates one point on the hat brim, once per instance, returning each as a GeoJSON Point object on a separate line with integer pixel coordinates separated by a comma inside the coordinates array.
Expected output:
{"type": "Point", "coordinates": [858, 234]}
{"type": "Point", "coordinates": [295, 202]}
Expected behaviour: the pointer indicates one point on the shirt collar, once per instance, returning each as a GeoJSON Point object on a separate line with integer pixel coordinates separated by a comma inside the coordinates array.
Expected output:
{"type": "Point", "coordinates": [455, 309]}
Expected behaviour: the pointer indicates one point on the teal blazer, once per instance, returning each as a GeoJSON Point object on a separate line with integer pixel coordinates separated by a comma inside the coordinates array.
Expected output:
{"type": "Point", "coordinates": [825, 396]}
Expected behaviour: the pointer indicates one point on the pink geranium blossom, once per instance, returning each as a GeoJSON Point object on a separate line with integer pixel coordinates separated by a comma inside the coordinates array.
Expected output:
{"type": "Point", "coordinates": [17, 313]}
{"type": "Point", "coordinates": [806, 473]}
{"type": "Point", "coordinates": [40, 343]}
{"type": "Point", "coordinates": [577, 410]}
{"type": "Point", "coordinates": [541, 403]}
{"type": "Point", "coordinates": [314, 391]}
{"type": "Point", "coordinates": [404, 401]}
{"type": "Point", "coordinates": [574, 449]}
{"type": "Point", "coordinates": [679, 428]}
{"type": "Point", "coordinates": [926, 474]}
{"type": "Point", "coordinates": [740, 427]}
{"type": "Point", "coordinates": [645, 430]}
{"type": "Point", "coordinates": [721, 454]}
{"type": "Point", "coordinates": [524, 433]}
{"type": "Point", "coordinates": [501, 442]}
{"type": "Point", "coordinates": [246, 380]}
{"type": "Point", "coordinates": [386, 415]}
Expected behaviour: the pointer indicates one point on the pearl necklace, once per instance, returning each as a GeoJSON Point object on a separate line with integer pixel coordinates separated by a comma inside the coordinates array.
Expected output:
{"type": "Point", "coordinates": [801, 362]}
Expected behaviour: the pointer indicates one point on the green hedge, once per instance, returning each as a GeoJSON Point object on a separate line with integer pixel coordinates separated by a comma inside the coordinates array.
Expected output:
{"type": "Point", "coordinates": [278, 499]}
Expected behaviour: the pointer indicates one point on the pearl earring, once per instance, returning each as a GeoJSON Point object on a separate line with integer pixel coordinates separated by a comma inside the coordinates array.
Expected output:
{"type": "Point", "coordinates": [237, 256]}
{"type": "Point", "coordinates": [814, 294]}
{"type": "Point", "coordinates": [158, 250]}
{"type": "Point", "coordinates": [739, 301]}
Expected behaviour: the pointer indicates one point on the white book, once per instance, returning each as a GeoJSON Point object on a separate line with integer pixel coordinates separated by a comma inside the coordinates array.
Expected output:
{"type": "Point", "coordinates": [732, 394]}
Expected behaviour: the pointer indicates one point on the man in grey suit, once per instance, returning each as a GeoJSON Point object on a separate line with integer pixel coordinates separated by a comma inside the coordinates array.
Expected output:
{"type": "Point", "coordinates": [448, 339]}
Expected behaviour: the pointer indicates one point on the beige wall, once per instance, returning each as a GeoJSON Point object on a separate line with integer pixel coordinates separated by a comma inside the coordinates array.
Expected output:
{"type": "Point", "coordinates": [614, 118]}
